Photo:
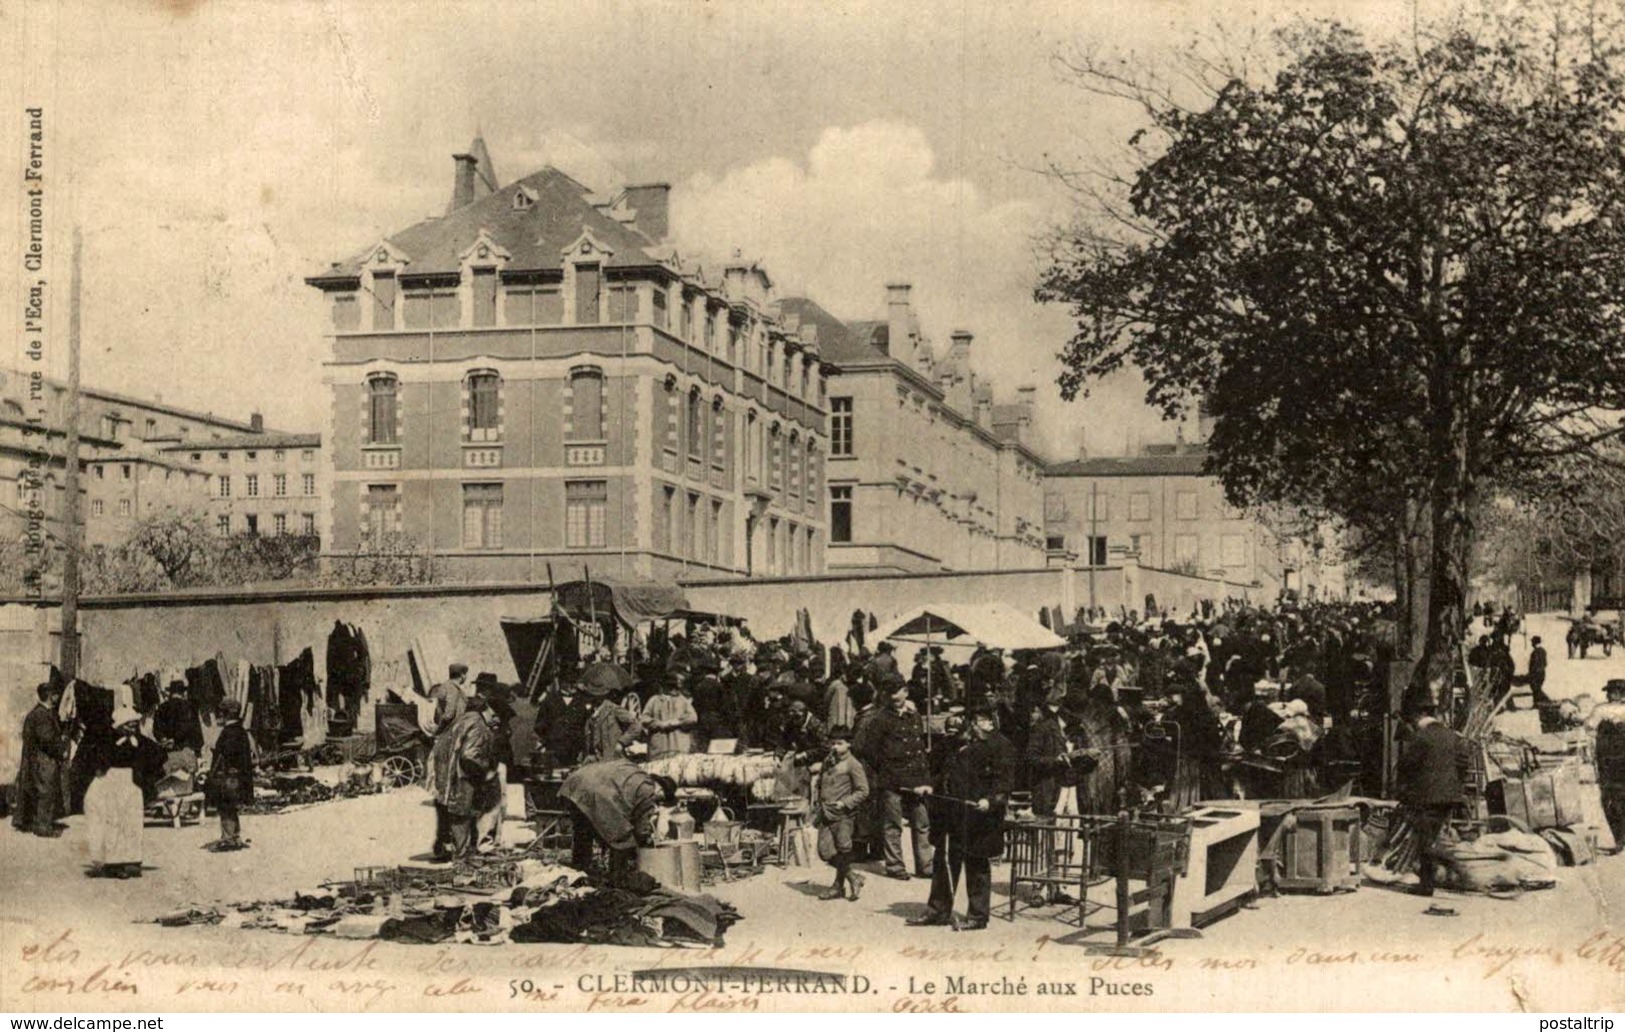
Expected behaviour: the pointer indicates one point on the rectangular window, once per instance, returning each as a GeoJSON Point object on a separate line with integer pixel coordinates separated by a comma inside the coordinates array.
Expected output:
{"type": "Point", "coordinates": [225, 486]}
{"type": "Point", "coordinates": [1234, 550]}
{"type": "Point", "coordinates": [1185, 548]}
{"type": "Point", "coordinates": [381, 413]}
{"type": "Point", "coordinates": [96, 507]}
{"type": "Point", "coordinates": [252, 456]}
{"type": "Point", "coordinates": [585, 503]}
{"type": "Point", "coordinates": [253, 525]}
{"type": "Point", "coordinates": [383, 301]}
{"type": "Point", "coordinates": [711, 332]}
{"type": "Point", "coordinates": [623, 303]}
{"type": "Point", "coordinates": [1185, 505]}
{"type": "Point", "coordinates": [279, 455]}
{"type": "Point", "coordinates": [773, 545]}
{"type": "Point", "coordinates": [534, 306]}
{"type": "Point", "coordinates": [713, 534]}
{"type": "Point", "coordinates": [482, 515]}
{"type": "Point", "coordinates": [663, 534]}
{"type": "Point", "coordinates": [252, 488]}
{"type": "Point", "coordinates": [586, 407]}
{"type": "Point", "coordinates": [1097, 551]}
{"type": "Point", "coordinates": [307, 456]}
{"type": "Point", "coordinates": [660, 310]}
{"type": "Point", "coordinates": [152, 429]}
{"type": "Point", "coordinates": [733, 345]}
{"type": "Point", "coordinates": [685, 319]}
{"type": "Point", "coordinates": [485, 297]}
{"type": "Point", "coordinates": [1101, 506]}
{"type": "Point", "coordinates": [840, 515]}
{"type": "Point", "coordinates": [124, 470]}
{"type": "Point", "coordinates": [696, 426]}
{"type": "Point", "coordinates": [1055, 543]}
{"type": "Point", "coordinates": [383, 513]}
{"type": "Point", "coordinates": [279, 485]}
{"type": "Point", "coordinates": [586, 294]}
{"type": "Point", "coordinates": [279, 523]}
{"type": "Point", "coordinates": [307, 482]}
{"type": "Point", "coordinates": [484, 393]}
{"type": "Point", "coordinates": [307, 524]}
{"type": "Point", "coordinates": [100, 472]}
{"type": "Point", "coordinates": [696, 527]}
{"type": "Point", "coordinates": [840, 426]}
{"type": "Point", "coordinates": [222, 526]}
{"type": "Point", "coordinates": [1139, 506]}
{"type": "Point", "coordinates": [346, 313]}
{"type": "Point", "coordinates": [437, 309]}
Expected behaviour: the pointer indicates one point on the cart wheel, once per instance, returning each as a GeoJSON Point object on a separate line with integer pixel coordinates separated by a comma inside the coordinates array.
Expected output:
{"type": "Point", "coordinates": [399, 771]}
{"type": "Point", "coordinates": [420, 773]}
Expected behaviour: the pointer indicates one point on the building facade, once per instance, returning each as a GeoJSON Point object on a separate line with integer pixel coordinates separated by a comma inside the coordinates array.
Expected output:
{"type": "Point", "coordinates": [536, 383]}
{"type": "Point", "coordinates": [920, 478]}
{"type": "Point", "coordinates": [261, 483]}
{"type": "Point", "coordinates": [1162, 507]}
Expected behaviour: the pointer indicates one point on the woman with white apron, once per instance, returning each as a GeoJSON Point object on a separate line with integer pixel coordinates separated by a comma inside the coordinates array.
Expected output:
{"type": "Point", "coordinates": [114, 804]}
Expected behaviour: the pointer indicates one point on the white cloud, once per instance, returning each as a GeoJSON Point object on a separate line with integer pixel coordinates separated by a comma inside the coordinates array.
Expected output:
{"type": "Point", "coordinates": [866, 206]}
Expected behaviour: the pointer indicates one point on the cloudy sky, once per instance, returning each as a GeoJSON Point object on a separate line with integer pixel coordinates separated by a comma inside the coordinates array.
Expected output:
{"type": "Point", "coordinates": [216, 153]}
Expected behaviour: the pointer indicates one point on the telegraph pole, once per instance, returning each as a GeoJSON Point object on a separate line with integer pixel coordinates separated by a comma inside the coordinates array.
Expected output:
{"type": "Point", "coordinates": [69, 659]}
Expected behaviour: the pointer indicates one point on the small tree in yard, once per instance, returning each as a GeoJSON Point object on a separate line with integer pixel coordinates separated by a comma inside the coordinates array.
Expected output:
{"type": "Point", "coordinates": [1394, 271]}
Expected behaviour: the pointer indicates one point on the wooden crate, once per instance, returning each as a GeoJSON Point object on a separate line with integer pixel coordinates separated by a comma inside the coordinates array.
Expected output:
{"type": "Point", "coordinates": [1320, 850]}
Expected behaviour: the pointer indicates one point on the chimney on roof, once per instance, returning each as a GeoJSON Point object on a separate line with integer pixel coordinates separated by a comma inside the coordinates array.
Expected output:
{"type": "Point", "coordinates": [1026, 394]}
{"type": "Point", "coordinates": [899, 320]}
{"type": "Point", "coordinates": [650, 204]}
{"type": "Point", "coordinates": [1083, 442]}
{"type": "Point", "coordinates": [256, 423]}
{"type": "Point", "coordinates": [462, 186]}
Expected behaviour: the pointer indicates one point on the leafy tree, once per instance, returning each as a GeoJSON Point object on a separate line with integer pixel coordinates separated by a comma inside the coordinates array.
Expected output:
{"type": "Point", "coordinates": [390, 559]}
{"type": "Point", "coordinates": [1394, 272]}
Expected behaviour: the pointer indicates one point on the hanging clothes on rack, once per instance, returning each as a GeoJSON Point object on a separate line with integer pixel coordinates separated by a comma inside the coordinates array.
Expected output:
{"type": "Point", "coordinates": [349, 668]}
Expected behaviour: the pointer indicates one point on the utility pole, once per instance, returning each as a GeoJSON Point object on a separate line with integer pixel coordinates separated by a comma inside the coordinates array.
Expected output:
{"type": "Point", "coordinates": [1094, 515]}
{"type": "Point", "coordinates": [69, 659]}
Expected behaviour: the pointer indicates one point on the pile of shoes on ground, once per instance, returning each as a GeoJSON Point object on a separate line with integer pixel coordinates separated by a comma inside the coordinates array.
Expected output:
{"type": "Point", "coordinates": [493, 900]}
{"type": "Point", "coordinates": [274, 793]}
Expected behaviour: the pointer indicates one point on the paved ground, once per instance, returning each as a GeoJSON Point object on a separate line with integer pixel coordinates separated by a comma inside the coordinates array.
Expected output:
{"type": "Point", "coordinates": [1372, 949]}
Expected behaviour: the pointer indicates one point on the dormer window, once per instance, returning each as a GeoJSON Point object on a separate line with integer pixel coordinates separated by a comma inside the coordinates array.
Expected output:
{"type": "Point", "coordinates": [523, 198]}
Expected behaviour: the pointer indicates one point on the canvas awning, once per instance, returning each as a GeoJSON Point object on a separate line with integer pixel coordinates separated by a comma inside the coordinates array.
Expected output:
{"type": "Point", "coordinates": [630, 602]}
{"type": "Point", "coordinates": [993, 625]}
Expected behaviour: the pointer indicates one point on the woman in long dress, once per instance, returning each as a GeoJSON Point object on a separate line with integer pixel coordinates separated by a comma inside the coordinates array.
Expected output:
{"type": "Point", "coordinates": [114, 802]}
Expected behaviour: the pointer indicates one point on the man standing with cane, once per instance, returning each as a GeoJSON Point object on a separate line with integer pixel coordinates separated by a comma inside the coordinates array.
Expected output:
{"type": "Point", "coordinates": [967, 829]}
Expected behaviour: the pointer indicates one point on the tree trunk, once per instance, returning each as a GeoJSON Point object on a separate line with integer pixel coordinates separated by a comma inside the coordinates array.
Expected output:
{"type": "Point", "coordinates": [1451, 530]}
{"type": "Point", "coordinates": [1418, 557]}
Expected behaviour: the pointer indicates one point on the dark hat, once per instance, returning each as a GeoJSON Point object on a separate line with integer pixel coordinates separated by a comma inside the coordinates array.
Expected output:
{"type": "Point", "coordinates": [668, 788]}
{"type": "Point", "coordinates": [230, 709]}
{"type": "Point", "coordinates": [839, 731]}
{"type": "Point", "coordinates": [886, 646]}
{"type": "Point", "coordinates": [176, 687]}
{"type": "Point", "coordinates": [984, 709]}
{"type": "Point", "coordinates": [478, 704]}
{"type": "Point", "coordinates": [458, 670]}
{"type": "Point", "coordinates": [486, 679]}
{"type": "Point", "coordinates": [738, 659]}
{"type": "Point", "coordinates": [1614, 687]}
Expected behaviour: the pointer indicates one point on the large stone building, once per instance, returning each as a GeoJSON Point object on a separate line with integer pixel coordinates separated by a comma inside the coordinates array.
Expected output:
{"type": "Point", "coordinates": [1162, 507]}
{"type": "Point", "coordinates": [536, 380]}
{"type": "Point", "coordinates": [139, 458]}
{"type": "Point", "coordinates": [263, 482]}
{"type": "Point", "coordinates": [925, 472]}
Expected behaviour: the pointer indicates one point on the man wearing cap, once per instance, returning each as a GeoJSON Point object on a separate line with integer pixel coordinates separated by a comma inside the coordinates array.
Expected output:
{"type": "Point", "coordinates": [1537, 670]}
{"type": "Point", "coordinates": [231, 776]}
{"type": "Point", "coordinates": [450, 699]}
{"type": "Point", "coordinates": [561, 723]}
{"type": "Point", "coordinates": [968, 823]}
{"type": "Point", "coordinates": [842, 790]}
{"type": "Point", "coordinates": [892, 742]}
{"type": "Point", "coordinates": [614, 802]}
{"type": "Point", "coordinates": [612, 727]}
{"type": "Point", "coordinates": [1429, 777]}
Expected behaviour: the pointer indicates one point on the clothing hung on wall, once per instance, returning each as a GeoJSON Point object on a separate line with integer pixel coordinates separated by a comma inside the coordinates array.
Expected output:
{"type": "Point", "coordinates": [349, 667]}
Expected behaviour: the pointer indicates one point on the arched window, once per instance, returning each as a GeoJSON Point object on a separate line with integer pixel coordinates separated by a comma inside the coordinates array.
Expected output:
{"type": "Point", "coordinates": [586, 405]}
{"type": "Point", "coordinates": [484, 406]}
{"type": "Point", "coordinates": [383, 414]}
{"type": "Point", "coordinates": [696, 424]}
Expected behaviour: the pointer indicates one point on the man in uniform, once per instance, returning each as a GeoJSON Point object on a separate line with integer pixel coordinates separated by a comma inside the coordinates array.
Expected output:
{"type": "Point", "coordinates": [892, 742]}
{"type": "Point", "coordinates": [967, 826]}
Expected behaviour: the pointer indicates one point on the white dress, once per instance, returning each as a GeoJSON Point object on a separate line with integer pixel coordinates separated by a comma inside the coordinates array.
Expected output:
{"type": "Point", "coordinates": [114, 814]}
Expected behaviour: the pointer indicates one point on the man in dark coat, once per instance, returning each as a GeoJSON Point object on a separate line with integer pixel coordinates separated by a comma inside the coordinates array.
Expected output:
{"type": "Point", "coordinates": [968, 823]}
{"type": "Point", "coordinates": [39, 775]}
{"type": "Point", "coordinates": [175, 724]}
{"type": "Point", "coordinates": [1429, 778]}
{"type": "Point", "coordinates": [561, 724]}
{"type": "Point", "coordinates": [1537, 670]}
{"type": "Point", "coordinates": [614, 803]}
{"type": "Point", "coordinates": [1057, 758]}
{"type": "Point", "coordinates": [463, 766]}
{"type": "Point", "coordinates": [231, 776]}
{"type": "Point", "coordinates": [892, 743]}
